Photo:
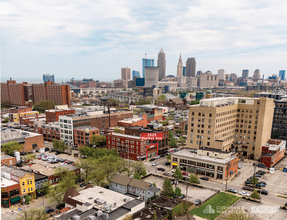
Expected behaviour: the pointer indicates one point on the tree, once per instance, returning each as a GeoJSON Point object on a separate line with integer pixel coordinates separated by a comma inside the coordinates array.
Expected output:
{"type": "Point", "coordinates": [6, 120]}
{"type": "Point", "coordinates": [154, 184]}
{"type": "Point", "coordinates": [139, 167]}
{"type": "Point", "coordinates": [173, 142]}
{"type": "Point", "coordinates": [98, 140]}
{"type": "Point", "coordinates": [193, 178]}
{"type": "Point", "coordinates": [254, 181]}
{"type": "Point", "coordinates": [44, 105]}
{"type": "Point", "coordinates": [117, 130]}
{"type": "Point", "coordinates": [59, 145]}
{"type": "Point", "coordinates": [170, 134]}
{"type": "Point", "coordinates": [137, 176]}
{"type": "Point", "coordinates": [11, 147]}
{"type": "Point", "coordinates": [255, 195]}
{"type": "Point", "coordinates": [128, 217]}
{"type": "Point", "coordinates": [177, 192]}
{"type": "Point", "coordinates": [27, 199]}
{"type": "Point", "coordinates": [160, 98]}
{"type": "Point", "coordinates": [31, 157]}
{"type": "Point", "coordinates": [86, 151]}
{"type": "Point", "coordinates": [182, 140]}
{"type": "Point", "coordinates": [45, 189]}
{"type": "Point", "coordinates": [88, 165]}
{"type": "Point", "coordinates": [167, 187]}
{"type": "Point", "coordinates": [178, 174]}
{"type": "Point", "coordinates": [169, 156]}
{"type": "Point", "coordinates": [194, 102]}
{"type": "Point", "coordinates": [238, 214]}
{"type": "Point", "coordinates": [32, 214]}
{"type": "Point", "coordinates": [178, 131]}
{"type": "Point", "coordinates": [110, 165]}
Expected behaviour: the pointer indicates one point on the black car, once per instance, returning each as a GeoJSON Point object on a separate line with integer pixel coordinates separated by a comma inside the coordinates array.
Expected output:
{"type": "Point", "coordinates": [185, 178]}
{"type": "Point", "coordinates": [204, 178]}
{"type": "Point", "coordinates": [57, 153]}
{"type": "Point", "coordinates": [47, 149]}
{"type": "Point", "coordinates": [152, 159]}
{"type": "Point", "coordinates": [262, 182]}
{"type": "Point", "coordinates": [19, 165]}
{"type": "Point", "coordinates": [263, 192]}
{"type": "Point", "coordinates": [48, 211]}
{"type": "Point", "coordinates": [197, 202]}
{"type": "Point", "coordinates": [167, 163]}
{"type": "Point", "coordinates": [247, 182]}
{"type": "Point", "coordinates": [70, 162]}
{"type": "Point", "coordinates": [255, 164]}
{"type": "Point", "coordinates": [248, 188]}
{"type": "Point", "coordinates": [83, 184]}
{"type": "Point", "coordinates": [60, 206]}
{"type": "Point", "coordinates": [258, 175]}
{"type": "Point", "coordinates": [286, 204]}
{"type": "Point", "coordinates": [162, 155]}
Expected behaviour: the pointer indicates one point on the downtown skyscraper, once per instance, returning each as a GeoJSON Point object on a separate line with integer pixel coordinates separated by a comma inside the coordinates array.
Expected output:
{"type": "Point", "coordinates": [190, 67]}
{"type": "Point", "coordinates": [146, 63]}
{"type": "Point", "coordinates": [161, 64]}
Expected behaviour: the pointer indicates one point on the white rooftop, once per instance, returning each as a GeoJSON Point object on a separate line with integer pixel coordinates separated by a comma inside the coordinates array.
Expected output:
{"type": "Point", "coordinates": [5, 182]}
{"type": "Point", "coordinates": [125, 135]}
{"type": "Point", "coordinates": [130, 120]}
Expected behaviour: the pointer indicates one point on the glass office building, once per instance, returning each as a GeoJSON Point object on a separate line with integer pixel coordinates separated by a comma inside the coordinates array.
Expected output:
{"type": "Point", "coordinates": [147, 63]}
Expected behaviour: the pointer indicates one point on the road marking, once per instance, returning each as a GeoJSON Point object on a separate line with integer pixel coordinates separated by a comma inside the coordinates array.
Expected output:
{"type": "Point", "coordinates": [269, 216]}
{"type": "Point", "coordinates": [8, 216]}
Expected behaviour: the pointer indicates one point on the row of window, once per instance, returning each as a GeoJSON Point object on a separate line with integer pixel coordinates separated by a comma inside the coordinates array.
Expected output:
{"type": "Point", "coordinates": [28, 182]}
{"type": "Point", "coordinates": [201, 114]}
{"type": "Point", "coordinates": [24, 190]}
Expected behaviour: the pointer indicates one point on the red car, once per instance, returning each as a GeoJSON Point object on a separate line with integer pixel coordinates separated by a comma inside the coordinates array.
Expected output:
{"type": "Point", "coordinates": [184, 173]}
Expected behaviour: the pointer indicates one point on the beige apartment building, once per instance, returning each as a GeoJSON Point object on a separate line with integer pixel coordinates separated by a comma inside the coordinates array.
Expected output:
{"type": "Point", "coordinates": [231, 124]}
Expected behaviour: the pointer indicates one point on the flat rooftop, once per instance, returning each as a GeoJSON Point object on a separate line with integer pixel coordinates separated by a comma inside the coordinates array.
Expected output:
{"type": "Point", "coordinates": [130, 120]}
{"type": "Point", "coordinates": [11, 135]}
{"type": "Point", "coordinates": [5, 156]}
{"type": "Point", "coordinates": [5, 182]}
{"type": "Point", "coordinates": [125, 135]}
{"type": "Point", "coordinates": [109, 196]}
{"type": "Point", "coordinates": [50, 169]}
{"type": "Point", "coordinates": [186, 153]}
{"type": "Point", "coordinates": [14, 171]}
{"type": "Point", "coordinates": [82, 128]}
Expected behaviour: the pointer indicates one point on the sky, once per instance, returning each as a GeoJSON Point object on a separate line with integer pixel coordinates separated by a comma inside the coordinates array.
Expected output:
{"type": "Point", "coordinates": [95, 39]}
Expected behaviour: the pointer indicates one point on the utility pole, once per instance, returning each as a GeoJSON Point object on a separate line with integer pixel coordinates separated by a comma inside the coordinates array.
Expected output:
{"type": "Point", "coordinates": [227, 168]}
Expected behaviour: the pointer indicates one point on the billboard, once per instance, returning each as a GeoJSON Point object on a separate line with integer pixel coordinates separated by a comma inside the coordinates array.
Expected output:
{"type": "Point", "coordinates": [151, 136]}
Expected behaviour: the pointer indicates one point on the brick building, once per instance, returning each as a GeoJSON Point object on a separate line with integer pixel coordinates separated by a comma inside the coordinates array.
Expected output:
{"type": "Point", "coordinates": [13, 92]}
{"type": "Point", "coordinates": [162, 145]}
{"type": "Point", "coordinates": [83, 135]}
{"type": "Point", "coordinates": [10, 192]}
{"type": "Point", "coordinates": [129, 146]}
{"type": "Point", "coordinates": [182, 125]}
{"type": "Point", "coordinates": [30, 141]}
{"type": "Point", "coordinates": [131, 122]}
{"type": "Point", "coordinates": [272, 152]}
{"type": "Point", "coordinates": [7, 160]}
{"type": "Point", "coordinates": [49, 131]}
{"type": "Point", "coordinates": [20, 109]}
{"type": "Point", "coordinates": [214, 163]}
{"type": "Point", "coordinates": [53, 114]}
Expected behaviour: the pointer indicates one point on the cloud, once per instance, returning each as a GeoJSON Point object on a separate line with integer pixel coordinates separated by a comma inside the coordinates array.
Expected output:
{"type": "Point", "coordinates": [49, 34]}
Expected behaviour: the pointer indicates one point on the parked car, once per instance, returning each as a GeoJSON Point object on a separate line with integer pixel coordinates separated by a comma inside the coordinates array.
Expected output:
{"type": "Point", "coordinates": [152, 159]}
{"type": "Point", "coordinates": [185, 178]}
{"type": "Point", "coordinates": [45, 158]}
{"type": "Point", "coordinates": [255, 164]}
{"type": "Point", "coordinates": [197, 202]}
{"type": "Point", "coordinates": [48, 211]}
{"type": "Point", "coordinates": [260, 185]}
{"type": "Point", "coordinates": [19, 164]}
{"type": "Point", "coordinates": [162, 155]}
{"type": "Point", "coordinates": [70, 162]}
{"type": "Point", "coordinates": [157, 157]}
{"type": "Point", "coordinates": [261, 166]}
{"type": "Point", "coordinates": [263, 192]}
{"type": "Point", "coordinates": [161, 168]}
{"type": "Point", "coordinates": [174, 182]}
{"type": "Point", "coordinates": [173, 171]}
{"type": "Point", "coordinates": [166, 174]}
{"type": "Point", "coordinates": [286, 204]}
{"type": "Point", "coordinates": [184, 173]}
{"type": "Point", "coordinates": [232, 190]}
{"type": "Point", "coordinates": [247, 182]}
{"type": "Point", "coordinates": [244, 193]}
{"type": "Point", "coordinates": [262, 182]}
{"type": "Point", "coordinates": [154, 164]}
{"type": "Point", "coordinates": [167, 163]}
{"type": "Point", "coordinates": [204, 178]}
{"type": "Point", "coordinates": [182, 196]}
{"type": "Point", "coordinates": [258, 175]}
{"type": "Point", "coordinates": [82, 184]}
{"type": "Point", "coordinates": [248, 188]}
{"type": "Point", "coordinates": [60, 206]}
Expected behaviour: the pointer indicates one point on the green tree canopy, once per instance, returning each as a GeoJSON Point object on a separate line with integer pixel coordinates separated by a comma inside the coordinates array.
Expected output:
{"type": "Point", "coordinates": [10, 147]}
{"type": "Point", "coordinates": [98, 140]}
{"type": "Point", "coordinates": [5, 104]}
{"type": "Point", "coordinates": [87, 151]}
{"type": "Point", "coordinates": [169, 156]}
{"type": "Point", "coordinates": [194, 102]}
{"type": "Point", "coordinates": [46, 186]}
{"type": "Point", "coordinates": [178, 174]}
{"type": "Point", "coordinates": [170, 134]}
{"type": "Point", "coordinates": [172, 142]}
{"type": "Point", "coordinates": [254, 180]}
{"type": "Point", "coordinates": [59, 145]}
{"type": "Point", "coordinates": [32, 214]}
{"type": "Point", "coordinates": [31, 157]}
{"type": "Point", "coordinates": [161, 98]}
{"type": "Point", "coordinates": [255, 195]}
{"type": "Point", "coordinates": [193, 178]}
{"type": "Point", "coordinates": [44, 105]}
{"type": "Point", "coordinates": [167, 187]}
{"type": "Point", "coordinates": [178, 131]}
{"type": "Point", "coordinates": [177, 192]}
{"type": "Point", "coordinates": [137, 176]}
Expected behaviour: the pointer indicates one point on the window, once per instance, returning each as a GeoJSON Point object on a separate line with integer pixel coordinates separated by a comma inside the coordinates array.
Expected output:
{"type": "Point", "coordinates": [28, 182]}
{"type": "Point", "coordinates": [31, 188]}
{"type": "Point", "coordinates": [31, 182]}
{"type": "Point", "coordinates": [209, 121]}
{"type": "Point", "coordinates": [208, 144]}
{"type": "Point", "coordinates": [191, 141]}
{"type": "Point", "coordinates": [191, 135]}
{"type": "Point", "coordinates": [208, 132]}
{"type": "Point", "coordinates": [199, 114]}
{"type": "Point", "coordinates": [210, 115]}
{"type": "Point", "coordinates": [24, 190]}
{"type": "Point", "coordinates": [23, 183]}
{"type": "Point", "coordinates": [34, 146]}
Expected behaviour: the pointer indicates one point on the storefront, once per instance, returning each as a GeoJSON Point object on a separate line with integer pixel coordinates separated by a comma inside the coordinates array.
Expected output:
{"type": "Point", "coordinates": [10, 192]}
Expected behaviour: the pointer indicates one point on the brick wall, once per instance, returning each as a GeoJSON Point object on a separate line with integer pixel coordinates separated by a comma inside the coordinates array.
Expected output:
{"type": "Point", "coordinates": [29, 141]}
{"type": "Point", "coordinates": [8, 161]}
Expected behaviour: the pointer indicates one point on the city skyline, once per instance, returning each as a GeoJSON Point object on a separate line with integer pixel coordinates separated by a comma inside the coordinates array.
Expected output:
{"type": "Point", "coordinates": [37, 39]}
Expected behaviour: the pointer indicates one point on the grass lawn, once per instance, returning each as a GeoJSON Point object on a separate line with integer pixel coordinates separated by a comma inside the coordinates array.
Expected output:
{"type": "Point", "coordinates": [215, 206]}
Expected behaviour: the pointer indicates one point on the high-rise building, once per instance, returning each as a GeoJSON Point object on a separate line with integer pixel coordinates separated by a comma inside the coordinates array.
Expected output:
{"type": "Point", "coordinates": [256, 75]}
{"type": "Point", "coordinates": [48, 77]}
{"type": "Point", "coordinates": [126, 73]}
{"type": "Point", "coordinates": [151, 76]}
{"type": "Point", "coordinates": [245, 74]}
{"type": "Point", "coordinates": [161, 64]}
{"type": "Point", "coordinates": [282, 74]}
{"type": "Point", "coordinates": [279, 127]}
{"type": "Point", "coordinates": [221, 74]}
{"type": "Point", "coordinates": [179, 68]}
{"type": "Point", "coordinates": [190, 67]}
{"type": "Point", "coordinates": [135, 73]}
{"type": "Point", "coordinates": [183, 71]}
{"type": "Point", "coordinates": [147, 63]}
{"type": "Point", "coordinates": [231, 124]}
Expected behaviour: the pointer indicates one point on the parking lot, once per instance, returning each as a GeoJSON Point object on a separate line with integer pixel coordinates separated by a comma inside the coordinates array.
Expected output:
{"type": "Point", "coordinates": [193, 194]}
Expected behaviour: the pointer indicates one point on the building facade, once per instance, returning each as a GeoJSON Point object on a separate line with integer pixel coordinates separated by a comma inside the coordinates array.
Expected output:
{"type": "Point", "coordinates": [49, 131]}
{"type": "Point", "coordinates": [245, 74]}
{"type": "Point", "coordinates": [161, 64]}
{"type": "Point", "coordinates": [10, 192]}
{"type": "Point", "coordinates": [48, 77]}
{"type": "Point", "coordinates": [282, 74]}
{"type": "Point", "coordinates": [207, 81]}
{"type": "Point", "coordinates": [256, 75]}
{"type": "Point", "coordinates": [136, 73]}
{"type": "Point", "coordinates": [221, 74]}
{"type": "Point", "coordinates": [190, 67]}
{"type": "Point", "coordinates": [126, 73]}
{"type": "Point", "coordinates": [66, 130]}
{"type": "Point", "coordinates": [83, 135]}
{"type": "Point", "coordinates": [272, 152]}
{"type": "Point", "coordinates": [241, 124]}
{"type": "Point", "coordinates": [146, 63]}
{"type": "Point", "coordinates": [53, 114]}
{"type": "Point", "coordinates": [151, 76]}
{"type": "Point", "coordinates": [279, 126]}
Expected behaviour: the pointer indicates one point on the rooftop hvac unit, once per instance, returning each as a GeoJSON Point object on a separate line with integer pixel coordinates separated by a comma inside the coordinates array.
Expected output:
{"type": "Point", "coordinates": [105, 216]}
{"type": "Point", "coordinates": [126, 199]}
{"type": "Point", "coordinates": [99, 213]}
{"type": "Point", "coordinates": [108, 207]}
{"type": "Point", "coordinates": [76, 217]}
{"type": "Point", "coordinates": [91, 217]}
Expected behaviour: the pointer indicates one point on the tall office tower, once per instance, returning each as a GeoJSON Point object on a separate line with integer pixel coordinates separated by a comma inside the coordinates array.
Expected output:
{"type": "Point", "coordinates": [183, 72]}
{"type": "Point", "coordinates": [48, 77]}
{"type": "Point", "coordinates": [245, 74]}
{"type": "Point", "coordinates": [282, 74]}
{"type": "Point", "coordinates": [161, 64]}
{"type": "Point", "coordinates": [147, 63]}
{"type": "Point", "coordinates": [190, 67]}
{"type": "Point", "coordinates": [235, 123]}
{"type": "Point", "coordinates": [126, 73]}
{"type": "Point", "coordinates": [13, 92]}
{"type": "Point", "coordinates": [151, 76]}
{"type": "Point", "coordinates": [221, 74]}
{"type": "Point", "coordinates": [136, 73]}
{"type": "Point", "coordinates": [256, 75]}
{"type": "Point", "coordinates": [179, 68]}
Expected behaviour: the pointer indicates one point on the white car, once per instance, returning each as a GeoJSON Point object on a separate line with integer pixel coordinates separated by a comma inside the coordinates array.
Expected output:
{"type": "Point", "coordinates": [173, 171]}
{"type": "Point", "coordinates": [157, 157]}
{"type": "Point", "coordinates": [244, 193]}
{"type": "Point", "coordinates": [154, 164]}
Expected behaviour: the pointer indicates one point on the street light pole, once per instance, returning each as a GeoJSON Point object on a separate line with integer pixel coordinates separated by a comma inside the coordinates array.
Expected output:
{"type": "Point", "coordinates": [42, 201]}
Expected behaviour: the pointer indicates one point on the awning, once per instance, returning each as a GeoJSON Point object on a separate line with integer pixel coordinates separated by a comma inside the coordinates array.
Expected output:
{"type": "Point", "coordinates": [175, 164]}
{"type": "Point", "coordinates": [5, 201]}
{"type": "Point", "coordinates": [15, 199]}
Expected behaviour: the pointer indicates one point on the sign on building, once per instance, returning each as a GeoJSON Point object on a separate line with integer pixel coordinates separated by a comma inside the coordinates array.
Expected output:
{"type": "Point", "coordinates": [151, 136]}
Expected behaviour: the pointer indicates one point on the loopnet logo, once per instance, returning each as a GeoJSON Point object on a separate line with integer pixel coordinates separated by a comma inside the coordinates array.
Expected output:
{"type": "Point", "coordinates": [264, 209]}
